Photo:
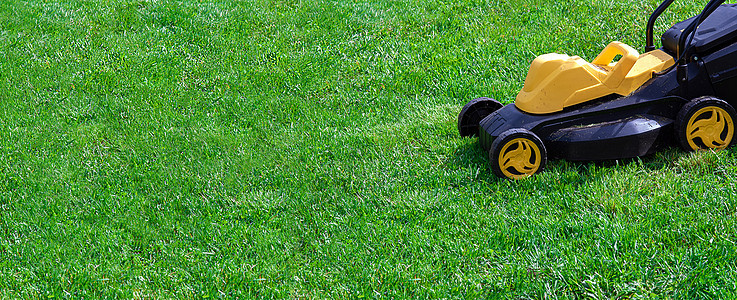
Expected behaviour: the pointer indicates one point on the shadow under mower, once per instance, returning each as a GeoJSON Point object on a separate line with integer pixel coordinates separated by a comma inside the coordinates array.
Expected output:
{"type": "Point", "coordinates": [684, 93]}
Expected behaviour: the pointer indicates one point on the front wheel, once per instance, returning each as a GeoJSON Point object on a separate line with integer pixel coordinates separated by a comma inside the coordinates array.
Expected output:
{"type": "Point", "coordinates": [517, 154]}
{"type": "Point", "coordinates": [473, 112]}
{"type": "Point", "coordinates": [705, 123]}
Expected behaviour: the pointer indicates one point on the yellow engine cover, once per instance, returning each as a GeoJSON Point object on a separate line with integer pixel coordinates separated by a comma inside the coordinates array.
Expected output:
{"type": "Point", "coordinates": [556, 81]}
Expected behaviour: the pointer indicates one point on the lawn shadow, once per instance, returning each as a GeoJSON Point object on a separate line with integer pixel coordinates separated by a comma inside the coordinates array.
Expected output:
{"type": "Point", "coordinates": [669, 159]}
{"type": "Point", "coordinates": [672, 158]}
{"type": "Point", "coordinates": [663, 159]}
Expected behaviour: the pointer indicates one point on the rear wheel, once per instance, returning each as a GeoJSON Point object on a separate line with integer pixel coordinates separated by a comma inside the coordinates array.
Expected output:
{"type": "Point", "coordinates": [705, 123]}
{"type": "Point", "coordinates": [517, 154]}
{"type": "Point", "coordinates": [473, 112]}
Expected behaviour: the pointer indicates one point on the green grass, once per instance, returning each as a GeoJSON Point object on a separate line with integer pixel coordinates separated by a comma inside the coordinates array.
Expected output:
{"type": "Point", "coordinates": [308, 149]}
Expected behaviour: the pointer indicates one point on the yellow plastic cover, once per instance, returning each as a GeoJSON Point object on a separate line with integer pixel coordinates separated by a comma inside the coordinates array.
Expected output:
{"type": "Point", "coordinates": [556, 81]}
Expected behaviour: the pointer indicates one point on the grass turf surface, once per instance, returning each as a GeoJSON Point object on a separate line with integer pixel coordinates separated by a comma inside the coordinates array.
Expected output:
{"type": "Point", "coordinates": [308, 149]}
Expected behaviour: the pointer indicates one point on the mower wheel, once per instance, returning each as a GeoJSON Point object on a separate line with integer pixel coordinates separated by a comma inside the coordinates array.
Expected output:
{"type": "Point", "coordinates": [473, 112]}
{"type": "Point", "coordinates": [706, 123]}
{"type": "Point", "coordinates": [517, 153]}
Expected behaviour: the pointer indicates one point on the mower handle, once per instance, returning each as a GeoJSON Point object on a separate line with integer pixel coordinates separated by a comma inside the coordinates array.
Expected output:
{"type": "Point", "coordinates": [650, 45]}
{"type": "Point", "coordinates": [689, 32]}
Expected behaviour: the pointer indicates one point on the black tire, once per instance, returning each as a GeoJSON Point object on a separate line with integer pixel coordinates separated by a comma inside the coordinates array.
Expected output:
{"type": "Point", "coordinates": [473, 112]}
{"type": "Point", "coordinates": [507, 144]}
{"type": "Point", "coordinates": [717, 130]}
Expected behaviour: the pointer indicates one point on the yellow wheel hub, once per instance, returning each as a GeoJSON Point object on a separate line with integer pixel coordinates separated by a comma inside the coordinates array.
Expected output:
{"type": "Point", "coordinates": [713, 125]}
{"type": "Point", "coordinates": [519, 158]}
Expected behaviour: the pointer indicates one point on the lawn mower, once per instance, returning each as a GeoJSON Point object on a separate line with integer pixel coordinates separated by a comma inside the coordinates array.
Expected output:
{"type": "Point", "coordinates": [682, 93]}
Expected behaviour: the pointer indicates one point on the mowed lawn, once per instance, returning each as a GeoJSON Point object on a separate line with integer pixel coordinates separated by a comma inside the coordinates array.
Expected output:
{"type": "Point", "coordinates": [308, 149]}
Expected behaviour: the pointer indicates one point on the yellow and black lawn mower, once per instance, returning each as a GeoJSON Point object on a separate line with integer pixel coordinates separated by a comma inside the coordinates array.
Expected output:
{"type": "Point", "coordinates": [683, 93]}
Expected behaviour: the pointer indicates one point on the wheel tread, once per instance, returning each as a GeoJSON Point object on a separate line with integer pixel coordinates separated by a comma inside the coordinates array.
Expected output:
{"type": "Point", "coordinates": [688, 109]}
{"type": "Point", "coordinates": [509, 135]}
{"type": "Point", "coordinates": [473, 112]}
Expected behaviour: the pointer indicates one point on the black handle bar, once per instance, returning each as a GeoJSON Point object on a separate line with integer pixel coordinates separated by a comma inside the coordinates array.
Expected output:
{"type": "Point", "coordinates": [650, 45]}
